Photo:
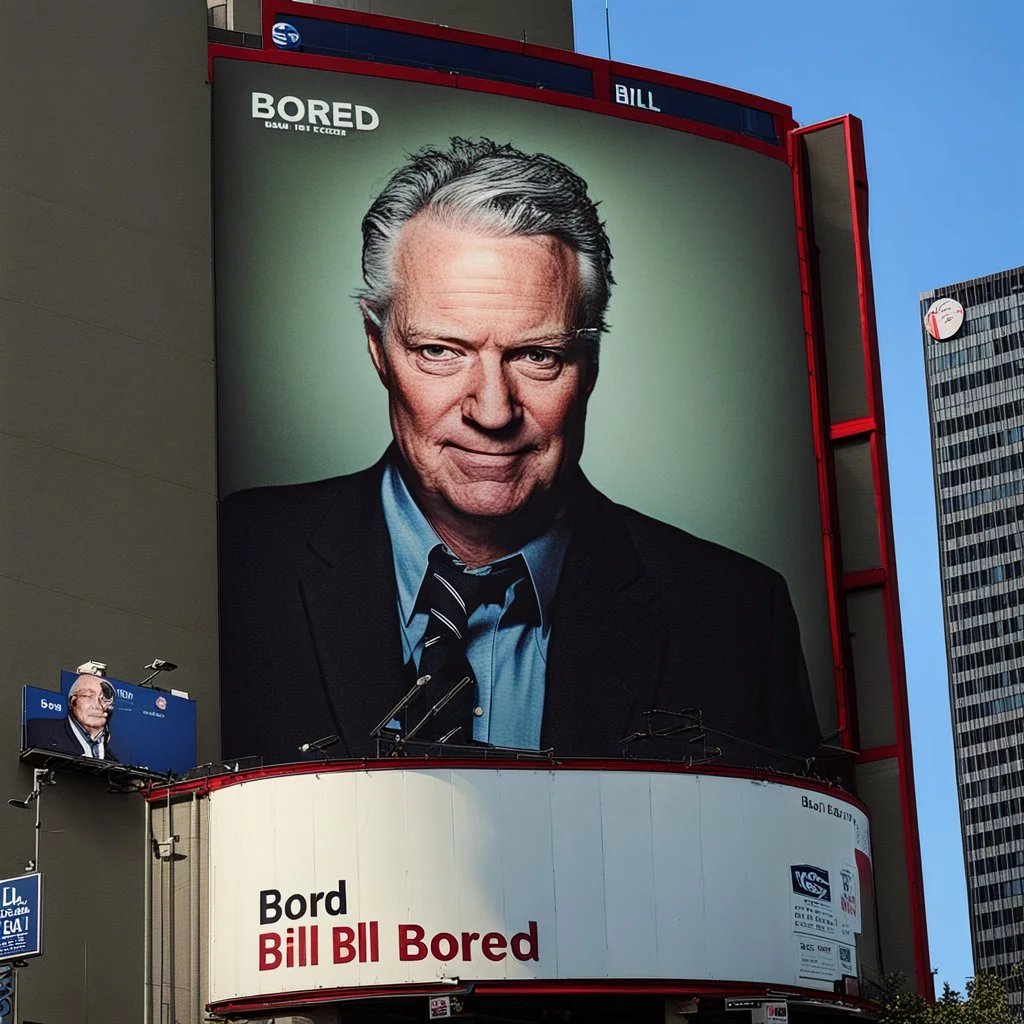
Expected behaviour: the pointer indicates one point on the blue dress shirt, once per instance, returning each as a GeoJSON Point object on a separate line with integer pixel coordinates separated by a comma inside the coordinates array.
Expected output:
{"type": "Point", "coordinates": [508, 643]}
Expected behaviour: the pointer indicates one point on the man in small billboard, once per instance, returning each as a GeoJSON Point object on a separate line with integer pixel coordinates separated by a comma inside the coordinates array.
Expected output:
{"type": "Point", "coordinates": [475, 549]}
{"type": "Point", "coordinates": [85, 730]}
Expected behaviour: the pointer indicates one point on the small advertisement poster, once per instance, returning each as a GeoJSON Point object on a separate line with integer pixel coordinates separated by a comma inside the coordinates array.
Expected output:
{"type": "Point", "coordinates": [813, 908]}
{"type": "Point", "coordinates": [20, 917]}
{"type": "Point", "coordinates": [816, 959]}
{"type": "Point", "coordinates": [849, 904]}
{"type": "Point", "coordinates": [826, 918]}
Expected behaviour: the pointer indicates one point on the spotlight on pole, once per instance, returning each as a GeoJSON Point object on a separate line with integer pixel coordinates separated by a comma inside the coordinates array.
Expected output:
{"type": "Point", "coordinates": [154, 669]}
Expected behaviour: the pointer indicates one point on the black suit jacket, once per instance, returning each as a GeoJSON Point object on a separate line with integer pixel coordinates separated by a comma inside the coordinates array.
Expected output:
{"type": "Point", "coordinates": [57, 734]}
{"type": "Point", "coordinates": [645, 616]}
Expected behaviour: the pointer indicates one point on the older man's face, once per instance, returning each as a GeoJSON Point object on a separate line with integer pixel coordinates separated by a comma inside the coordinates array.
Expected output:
{"type": "Point", "coordinates": [487, 384]}
{"type": "Point", "coordinates": [89, 705]}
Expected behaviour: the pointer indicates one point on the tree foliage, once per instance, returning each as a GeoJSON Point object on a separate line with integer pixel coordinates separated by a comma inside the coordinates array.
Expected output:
{"type": "Point", "coordinates": [985, 1004]}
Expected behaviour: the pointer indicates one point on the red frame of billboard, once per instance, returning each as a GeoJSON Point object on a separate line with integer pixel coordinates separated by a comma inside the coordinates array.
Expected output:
{"type": "Point", "coordinates": [602, 71]}
{"type": "Point", "coordinates": [826, 434]}
{"type": "Point", "coordinates": [159, 792]}
{"type": "Point", "coordinates": [718, 990]}
{"type": "Point", "coordinates": [871, 428]}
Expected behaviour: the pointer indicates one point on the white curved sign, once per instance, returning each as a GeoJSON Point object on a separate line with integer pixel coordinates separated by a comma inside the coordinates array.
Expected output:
{"type": "Point", "coordinates": [395, 877]}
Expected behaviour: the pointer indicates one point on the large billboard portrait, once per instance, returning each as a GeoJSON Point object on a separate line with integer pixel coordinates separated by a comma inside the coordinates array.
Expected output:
{"type": "Point", "coordinates": [513, 402]}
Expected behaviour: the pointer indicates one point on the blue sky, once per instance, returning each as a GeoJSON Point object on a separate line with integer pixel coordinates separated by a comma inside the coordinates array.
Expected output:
{"type": "Point", "coordinates": [938, 88]}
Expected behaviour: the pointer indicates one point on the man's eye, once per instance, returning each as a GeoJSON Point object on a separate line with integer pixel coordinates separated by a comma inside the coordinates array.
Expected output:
{"type": "Point", "coordinates": [542, 356]}
{"type": "Point", "coordinates": [435, 352]}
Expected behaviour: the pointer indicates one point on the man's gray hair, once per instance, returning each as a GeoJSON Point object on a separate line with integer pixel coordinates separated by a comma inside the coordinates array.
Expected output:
{"type": "Point", "coordinates": [497, 189]}
{"type": "Point", "coordinates": [106, 687]}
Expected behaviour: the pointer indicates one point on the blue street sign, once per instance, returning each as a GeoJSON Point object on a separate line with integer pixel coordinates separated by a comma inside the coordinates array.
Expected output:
{"type": "Point", "coordinates": [20, 917]}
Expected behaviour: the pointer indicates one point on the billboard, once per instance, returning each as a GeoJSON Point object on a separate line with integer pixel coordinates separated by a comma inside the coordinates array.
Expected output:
{"type": "Point", "coordinates": [96, 718]}
{"type": "Point", "coordinates": [532, 876]}
{"type": "Point", "coordinates": [21, 910]}
{"type": "Point", "coordinates": [416, 288]}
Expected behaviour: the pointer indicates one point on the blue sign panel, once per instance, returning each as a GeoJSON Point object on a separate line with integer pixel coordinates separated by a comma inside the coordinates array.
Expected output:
{"type": "Point", "coordinates": [20, 917]}
{"type": "Point", "coordinates": [384, 46]}
{"type": "Point", "coordinates": [103, 719]}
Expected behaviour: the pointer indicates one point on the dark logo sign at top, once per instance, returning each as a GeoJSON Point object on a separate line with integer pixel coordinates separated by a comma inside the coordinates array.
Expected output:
{"type": "Point", "coordinates": [811, 881]}
{"type": "Point", "coordinates": [285, 36]}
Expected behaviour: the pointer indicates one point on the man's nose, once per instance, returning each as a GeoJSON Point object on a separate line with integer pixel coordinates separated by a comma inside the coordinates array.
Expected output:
{"type": "Point", "coordinates": [491, 401]}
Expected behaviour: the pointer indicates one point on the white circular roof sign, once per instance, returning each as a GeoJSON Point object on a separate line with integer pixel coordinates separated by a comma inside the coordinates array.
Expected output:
{"type": "Point", "coordinates": [944, 318]}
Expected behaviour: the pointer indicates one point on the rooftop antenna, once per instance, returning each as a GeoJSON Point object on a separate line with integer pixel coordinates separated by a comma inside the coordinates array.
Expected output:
{"type": "Point", "coordinates": [608, 29]}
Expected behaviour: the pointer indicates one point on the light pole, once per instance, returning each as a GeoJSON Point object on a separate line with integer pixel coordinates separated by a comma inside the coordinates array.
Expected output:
{"type": "Point", "coordinates": [40, 777]}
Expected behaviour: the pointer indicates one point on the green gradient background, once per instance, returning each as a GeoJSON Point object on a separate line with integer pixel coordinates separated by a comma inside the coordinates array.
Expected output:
{"type": "Point", "coordinates": [701, 413]}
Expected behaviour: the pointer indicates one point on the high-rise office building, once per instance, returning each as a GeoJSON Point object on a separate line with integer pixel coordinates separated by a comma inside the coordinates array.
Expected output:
{"type": "Point", "coordinates": [974, 354]}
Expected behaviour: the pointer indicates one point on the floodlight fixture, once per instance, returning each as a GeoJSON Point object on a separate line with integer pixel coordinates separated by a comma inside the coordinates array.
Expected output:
{"type": "Point", "coordinates": [155, 667]}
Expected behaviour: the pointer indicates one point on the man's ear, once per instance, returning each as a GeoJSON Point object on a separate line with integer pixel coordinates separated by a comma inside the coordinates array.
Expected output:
{"type": "Point", "coordinates": [375, 343]}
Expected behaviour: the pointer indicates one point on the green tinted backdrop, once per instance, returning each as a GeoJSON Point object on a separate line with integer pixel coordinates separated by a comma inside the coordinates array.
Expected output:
{"type": "Point", "coordinates": [701, 415]}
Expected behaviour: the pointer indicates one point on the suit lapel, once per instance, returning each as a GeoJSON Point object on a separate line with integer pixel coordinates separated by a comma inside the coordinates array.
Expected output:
{"type": "Point", "coordinates": [607, 644]}
{"type": "Point", "coordinates": [350, 598]}
{"type": "Point", "coordinates": [72, 736]}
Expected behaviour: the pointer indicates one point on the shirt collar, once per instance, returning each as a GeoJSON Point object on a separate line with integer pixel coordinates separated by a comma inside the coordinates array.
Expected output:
{"type": "Point", "coordinates": [413, 538]}
{"type": "Point", "coordinates": [91, 747]}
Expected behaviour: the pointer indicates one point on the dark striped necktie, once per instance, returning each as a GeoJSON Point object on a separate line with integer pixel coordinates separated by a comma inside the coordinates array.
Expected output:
{"type": "Point", "coordinates": [451, 594]}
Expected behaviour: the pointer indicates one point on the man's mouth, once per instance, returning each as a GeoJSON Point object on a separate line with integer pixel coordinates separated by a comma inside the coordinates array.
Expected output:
{"type": "Point", "coordinates": [488, 453]}
{"type": "Point", "coordinates": [501, 465]}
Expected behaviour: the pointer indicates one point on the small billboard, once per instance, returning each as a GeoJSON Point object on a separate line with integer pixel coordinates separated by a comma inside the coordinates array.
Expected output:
{"type": "Point", "coordinates": [95, 718]}
{"type": "Point", "coordinates": [20, 917]}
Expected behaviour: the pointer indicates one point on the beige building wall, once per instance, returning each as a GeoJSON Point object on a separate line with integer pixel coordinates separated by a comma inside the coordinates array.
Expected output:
{"type": "Point", "coordinates": [107, 506]}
